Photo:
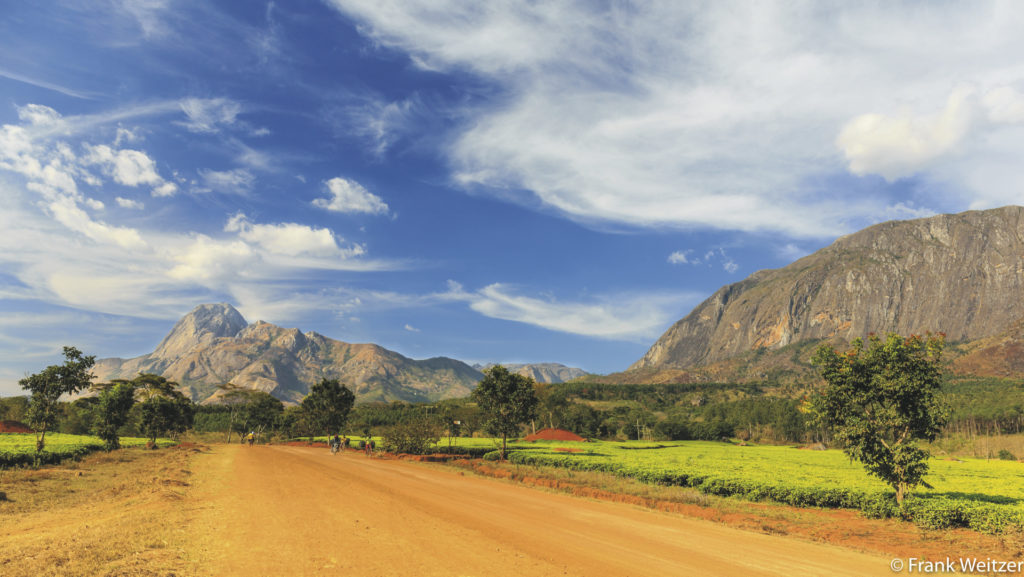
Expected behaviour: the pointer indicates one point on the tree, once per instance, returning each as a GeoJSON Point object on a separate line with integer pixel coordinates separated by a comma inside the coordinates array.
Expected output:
{"type": "Point", "coordinates": [49, 385]}
{"type": "Point", "coordinates": [150, 385]}
{"type": "Point", "coordinates": [880, 400]}
{"type": "Point", "coordinates": [235, 397]}
{"type": "Point", "coordinates": [508, 400]}
{"type": "Point", "coordinates": [416, 436]}
{"type": "Point", "coordinates": [327, 405]}
{"type": "Point", "coordinates": [165, 414]}
{"type": "Point", "coordinates": [115, 402]}
{"type": "Point", "coordinates": [262, 411]}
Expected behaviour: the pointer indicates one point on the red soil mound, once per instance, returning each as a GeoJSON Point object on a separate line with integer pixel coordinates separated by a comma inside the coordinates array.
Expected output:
{"type": "Point", "coordinates": [14, 427]}
{"type": "Point", "coordinates": [554, 435]}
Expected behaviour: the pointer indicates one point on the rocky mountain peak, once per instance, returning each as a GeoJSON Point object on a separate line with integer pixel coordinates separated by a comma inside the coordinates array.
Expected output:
{"type": "Point", "coordinates": [201, 326]}
{"type": "Point", "coordinates": [961, 274]}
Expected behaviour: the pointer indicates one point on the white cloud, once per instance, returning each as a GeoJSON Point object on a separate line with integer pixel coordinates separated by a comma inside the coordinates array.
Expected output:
{"type": "Point", "coordinates": [721, 114]}
{"type": "Point", "coordinates": [165, 189]}
{"type": "Point", "coordinates": [39, 115]}
{"type": "Point", "coordinates": [63, 254]}
{"type": "Point", "coordinates": [237, 181]}
{"type": "Point", "coordinates": [679, 257]}
{"type": "Point", "coordinates": [350, 196]}
{"type": "Point", "coordinates": [44, 84]}
{"type": "Point", "coordinates": [209, 115]}
{"type": "Point", "coordinates": [127, 167]}
{"type": "Point", "coordinates": [66, 211]}
{"type": "Point", "coordinates": [620, 318]}
{"type": "Point", "coordinates": [208, 259]}
{"type": "Point", "coordinates": [382, 122]}
{"type": "Point", "coordinates": [291, 239]}
{"type": "Point", "coordinates": [710, 257]}
{"type": "Point", "coordinates": [129, 203]}
{"type": "Point", "coordinates": [900, 146]}
{"type": "Point", "coordinates": [125, 135]}
{"type": "Point", "coordinates": [411, 328]}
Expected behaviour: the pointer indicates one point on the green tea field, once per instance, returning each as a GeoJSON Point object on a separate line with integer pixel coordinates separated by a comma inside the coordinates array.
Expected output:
{"type": "Point", "coordinates": [19, 448]}
{"type": "Point", "coordinates": [987, 495]}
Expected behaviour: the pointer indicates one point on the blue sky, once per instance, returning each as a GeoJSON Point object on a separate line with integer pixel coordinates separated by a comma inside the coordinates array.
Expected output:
{"type": "Point", "coordinates": [499, 181]}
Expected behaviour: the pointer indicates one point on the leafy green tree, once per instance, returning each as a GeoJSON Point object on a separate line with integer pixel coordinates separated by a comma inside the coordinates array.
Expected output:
{"type": "Point", "coordinates": [880, 400]}
{"type": "Point", "coordinates": [77, 416]}
{"type": "Point", "coordinates": [115, 403]}
{"type": "Point", "coordinates": [551, 405]}
{"type": "Point", "coordinates": [47, 387]}
{"type": "Point", "coordinates": [508, 400]}
{"type": "Point", "coordinates": [290, 422]}
{"type": "Point", "coordinates": [149, 385]}
{"type": "Point", "coordinates": [327, 405]}
{"type": "Point", "coordinates": [262, 411]}
{"type": "Point", "coordinates": [165, 414]}
{"type": "Point", "coordinates": [14, 408]}
{"type": "Point", "coordinates": [582, 420]}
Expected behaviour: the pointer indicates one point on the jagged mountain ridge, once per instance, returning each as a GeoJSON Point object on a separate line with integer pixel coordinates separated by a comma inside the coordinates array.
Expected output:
{"type": "Point", "coordinates": [213, 345]}
{"type": "Point", "coordinates": [961, 274]}
{"type": "Point", "coordinates": [540, 372]}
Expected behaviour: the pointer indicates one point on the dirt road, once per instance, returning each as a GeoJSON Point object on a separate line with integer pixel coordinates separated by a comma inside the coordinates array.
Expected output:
{"type": "Point", "coordinates": [302, 511]}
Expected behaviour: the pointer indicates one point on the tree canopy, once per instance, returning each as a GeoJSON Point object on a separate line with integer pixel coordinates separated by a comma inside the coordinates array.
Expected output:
{"type": "Point", "coordinates": [115, 403]}
{"type": "Point", "coordinates": [48, 385]}
{"type": "Point", "coordinates": [327, 405]}
{"type": "Point", "coordinates": [880, 399]}
{"type": "Point", "coordinates": [508, 400]}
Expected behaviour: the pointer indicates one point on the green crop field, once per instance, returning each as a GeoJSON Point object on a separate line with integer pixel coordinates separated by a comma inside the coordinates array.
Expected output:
{"type": "Point", "coordinates": [987, 495]}
{"type": "Point", "coordinates": [19, 448]}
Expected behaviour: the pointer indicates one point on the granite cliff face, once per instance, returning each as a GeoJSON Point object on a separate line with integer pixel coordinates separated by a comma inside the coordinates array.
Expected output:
{"type": "Point", "coordinates": [961, 274]}
{"type": "Point", "coordinates": [214, 345]}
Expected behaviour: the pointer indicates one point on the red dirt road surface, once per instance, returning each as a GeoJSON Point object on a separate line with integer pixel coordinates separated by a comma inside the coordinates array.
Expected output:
{"type": "Point", "coordinates": [302, 511]}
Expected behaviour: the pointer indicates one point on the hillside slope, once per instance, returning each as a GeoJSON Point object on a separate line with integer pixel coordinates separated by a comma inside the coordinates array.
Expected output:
{"type": "Point", "coordinates": [961, 274]}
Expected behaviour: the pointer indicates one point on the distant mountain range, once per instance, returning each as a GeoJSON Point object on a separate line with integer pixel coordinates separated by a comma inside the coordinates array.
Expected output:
{"type": "Point", "coordinates": [214, 344]}
{"type": "Point", "coordinates": [540, 372]}
{"type": "Point", "coordinates": [960, 274]}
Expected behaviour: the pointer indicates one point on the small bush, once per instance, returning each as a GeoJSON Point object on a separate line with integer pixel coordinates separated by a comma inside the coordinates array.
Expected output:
{"type": "Point", "coordinates": [1006, 455]}
{"type": "Point", "coordinates": [416, 437]}
{"type": "Point", "coordinates": [881, 506]}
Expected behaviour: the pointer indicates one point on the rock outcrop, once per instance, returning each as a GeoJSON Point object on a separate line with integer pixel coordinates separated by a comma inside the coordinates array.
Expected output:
{"type": "Point", "coordinates": [960, 274]}
{"type": "Point", "coordinates": [214, 345]}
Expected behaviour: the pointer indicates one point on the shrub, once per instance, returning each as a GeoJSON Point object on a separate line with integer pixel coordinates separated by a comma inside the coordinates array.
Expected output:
{"type": "Point", "coordinates": [417, 437]}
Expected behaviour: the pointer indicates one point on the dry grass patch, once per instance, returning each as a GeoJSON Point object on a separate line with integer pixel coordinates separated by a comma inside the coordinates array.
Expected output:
{"type": "Point", "coordinates": [116, 514]}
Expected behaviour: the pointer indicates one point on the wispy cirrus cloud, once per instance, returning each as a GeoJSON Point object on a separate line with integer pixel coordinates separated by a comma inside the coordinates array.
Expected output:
{"type": "Point", "coordinates": [722, 115]}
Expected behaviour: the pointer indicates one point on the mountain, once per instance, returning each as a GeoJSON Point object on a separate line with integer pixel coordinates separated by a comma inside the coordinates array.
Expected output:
{"type": "Point", "coordinates": [213, 345]}
{"type": "Point", "coordinates": [541, 372]}
{"type": "Point", "coordinates": [961, 274]}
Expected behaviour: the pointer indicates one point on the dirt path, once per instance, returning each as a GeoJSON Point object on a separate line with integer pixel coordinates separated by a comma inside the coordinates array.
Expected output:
{"type": "Point", "coordinates": [301, 511]}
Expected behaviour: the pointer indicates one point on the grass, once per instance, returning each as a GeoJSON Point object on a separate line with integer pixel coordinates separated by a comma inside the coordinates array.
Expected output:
{"type": "Point", "coordinates": [845, 528]}
{"type": "Point", "coordinates": [985, 495]}
{"type": "Point", "coordinates": [19, 448]}
{"type": "Point", "coordinates": [118, 513]}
